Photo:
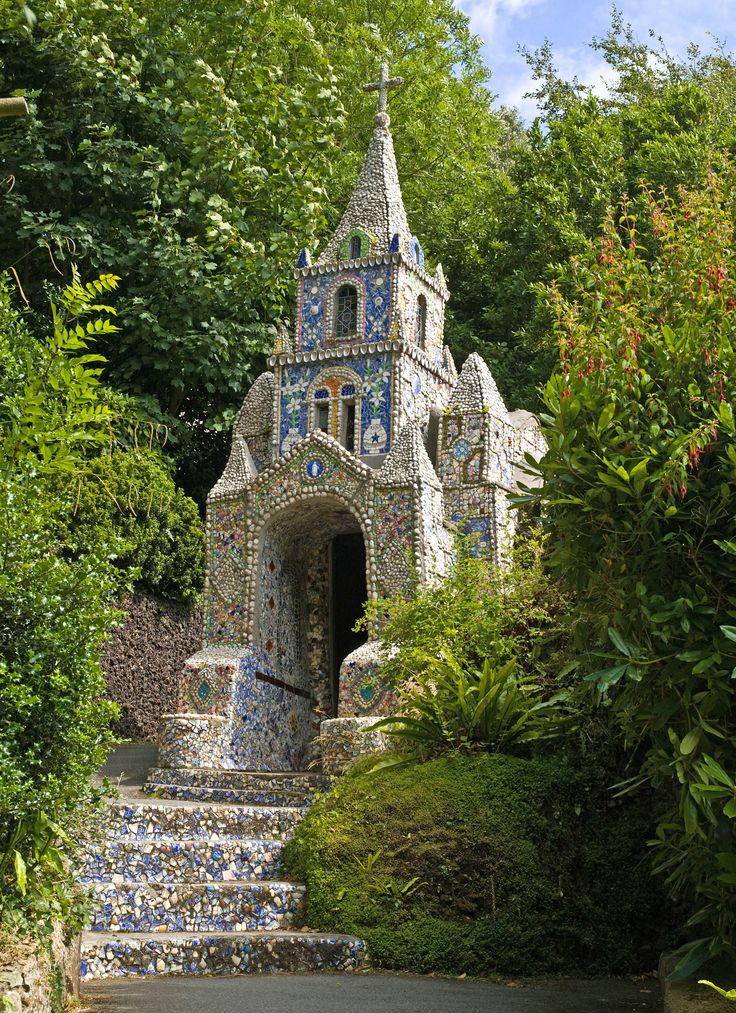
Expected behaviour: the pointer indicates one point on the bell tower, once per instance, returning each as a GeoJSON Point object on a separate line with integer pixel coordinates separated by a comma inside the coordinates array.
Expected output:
{"type": "Point", "coordinates": [368, 349]}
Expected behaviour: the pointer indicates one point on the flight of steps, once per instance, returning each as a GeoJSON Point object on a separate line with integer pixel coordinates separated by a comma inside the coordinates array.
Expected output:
{"type": "Point", "coordinates": [186, 880]}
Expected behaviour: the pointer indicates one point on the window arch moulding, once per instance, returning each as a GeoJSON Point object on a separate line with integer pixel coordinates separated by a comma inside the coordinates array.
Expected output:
{"type": "Point", "coordinates": [330, 309]}
{"type": "Point", "coordinates": [356, 244]}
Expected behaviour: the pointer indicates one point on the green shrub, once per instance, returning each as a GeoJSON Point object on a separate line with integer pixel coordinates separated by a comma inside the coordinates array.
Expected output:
{"type": "Point", "coordinates": [54, 612]}
{"type": "Point", "coordinates": [450, 706]}
{"type": "Point", "coordinates": [479, 864]}
{"type": "Point", "coordinates": [639, 489]}
{"type": "Point", "coordinates": [479, 612]}
{"type": "Point", "coordinates": [128, 502]}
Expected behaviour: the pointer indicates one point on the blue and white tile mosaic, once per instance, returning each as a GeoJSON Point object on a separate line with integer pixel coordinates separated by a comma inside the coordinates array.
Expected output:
{"type": "Point", "coordinates": [181, 861]}
{"type": "Point", "coordinates": [207, 954]}
{"type": "Point", "coordinates": [361, 426]}
{"type": "Point", "coordinates": [195, 907]}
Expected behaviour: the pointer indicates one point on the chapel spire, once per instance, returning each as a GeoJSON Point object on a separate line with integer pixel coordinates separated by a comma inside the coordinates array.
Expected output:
{"type": "Point", "coordinates": [376, 208]}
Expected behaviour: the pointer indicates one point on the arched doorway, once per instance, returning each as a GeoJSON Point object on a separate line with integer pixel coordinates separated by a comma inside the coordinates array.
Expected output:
{"type": "Point", "coordinates": [311, 568]}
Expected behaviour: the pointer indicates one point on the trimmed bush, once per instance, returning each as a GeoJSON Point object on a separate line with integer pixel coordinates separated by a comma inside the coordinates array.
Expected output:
{"type": "Point", "coordinates": [128, 502]}
{"type": "Point", "coordinates": [482, 864]}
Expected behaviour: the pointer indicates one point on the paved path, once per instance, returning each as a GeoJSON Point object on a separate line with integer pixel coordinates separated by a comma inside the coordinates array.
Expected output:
{"type": "Point", "coordinates": [365, 993]}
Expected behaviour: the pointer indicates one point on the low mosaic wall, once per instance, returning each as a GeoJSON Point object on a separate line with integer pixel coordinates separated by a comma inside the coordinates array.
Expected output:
{"type": "Point", "coordinates": [362, 693]}
{"type": "Point", "coordinates": [345, 740]}
{"type": "Point", "coordinates": [38, 978]}
{"type": "Point", "coordinates": [143, 660]}
{"type": "Point", "coordinates": [234, 712]}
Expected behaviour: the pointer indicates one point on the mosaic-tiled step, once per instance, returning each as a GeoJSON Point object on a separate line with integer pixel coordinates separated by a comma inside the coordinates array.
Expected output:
{"type": "Point", "coordinates": [239, 796]}
{"type": "Point", "coordinates": [239, 786]}
{"type": "Point", "coordinates": [107, 955]}
{"type": "Point", "coordinates": [165, 820]}
{"type": "Point", "coordinates": [194, 907]}
{"type": "Point", "coordinates": [256, 780]}
{"type": "Point", "coordinates": [161, 861]}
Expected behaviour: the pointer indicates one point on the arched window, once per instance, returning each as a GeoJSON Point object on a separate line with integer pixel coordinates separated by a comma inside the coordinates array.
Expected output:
{"type": "Point", "coordinates": [355, 247]}
{"type": "Point", "coordinates": [321, 411]}
{"type": "Point", "coordinates": [420, 328]}
{"type": "Point", "coordinates": [347, 416]}
{"type": "Point", "coordinates": [346, 311]}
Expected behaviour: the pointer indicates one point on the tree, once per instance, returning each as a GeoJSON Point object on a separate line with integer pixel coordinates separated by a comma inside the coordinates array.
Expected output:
{"type": "Point", "coordinates": [639, 492]}
{"type": "Point", "coordinates": [54, 614]}
{"type": "Point", "coordinates": [197, 148]}
{"type": "Point", "coordinates": [659, 122]}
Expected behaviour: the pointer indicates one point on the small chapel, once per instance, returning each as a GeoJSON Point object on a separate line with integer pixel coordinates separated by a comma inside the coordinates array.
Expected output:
{"type": "Point", "coordinates": [357, 460]}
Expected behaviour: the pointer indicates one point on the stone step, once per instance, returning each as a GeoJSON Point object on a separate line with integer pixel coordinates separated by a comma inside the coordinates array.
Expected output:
{"type": "Point", "coordinates": [195, 907]}
{"type": "Point", "coordinates": [107, 955]}
{"type": "Point", "coordinates": [257, 780]}
{"type": "Point", "coordinates": [166, 820]}
{"type": "Point", "coordinates": [276, 788]}
{"type": "Point", "coordinates": [181, 861]}
{"type": "Point", "coordinates": [240, 796]}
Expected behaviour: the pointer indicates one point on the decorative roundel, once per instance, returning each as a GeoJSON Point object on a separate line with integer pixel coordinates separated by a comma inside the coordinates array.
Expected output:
{"type": "Point", "coordinates": [461, 449]}
{"type": "Point", "coordinates": [314, 468]}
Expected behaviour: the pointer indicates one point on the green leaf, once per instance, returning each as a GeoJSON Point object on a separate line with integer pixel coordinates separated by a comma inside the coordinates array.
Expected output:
{"type": "Point", "coordinates": [19, 866]}
{"type": "Point", "coordinates": [606, 677]}
{"type": "Point", "coordinates": [690, 741]}
{"type": "Point", "coordinates": [694, 955]}
{"type": "Point", "coordinates": [619, 643]}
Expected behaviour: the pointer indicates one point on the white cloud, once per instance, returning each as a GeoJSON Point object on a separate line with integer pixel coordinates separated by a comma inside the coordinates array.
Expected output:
{"type": "Point", "coordinates": [486, 15]}
{"type": "Point", "coordinates": [570, 25]}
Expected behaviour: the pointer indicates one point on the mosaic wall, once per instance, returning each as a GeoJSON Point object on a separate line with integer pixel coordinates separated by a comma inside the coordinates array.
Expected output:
{"type": "Point", "coordinates": [317, 300]}
{"type": "Point", "coordinates": [317, 619]}
{"type": "Point", "coordinates": [375, 433]}
{"type": "Point", "coordinates": [361, 690]}
{"type": "Point", "coordinates": [370, 378]}
{"type": "Point", "coordinates": [411, 285]}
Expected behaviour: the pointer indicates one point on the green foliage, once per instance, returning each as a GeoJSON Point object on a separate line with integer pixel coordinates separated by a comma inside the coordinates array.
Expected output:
{"type": "Point", "coordinates": [478, 612]}
{"type": "Point", "coordinates": [640, 494]}
{"type": "Point", "coordinates": [51, 412]}
{"type": "Point", "coordinates": [660, 121]}
{"type": "Point", "coordinates": [204, 146]}
{"type": "Point", "coordinates": [452, 707]}
{"type": "Point", "coordinates": [128, 503]}
{"type": "Point", "coordinates": [54, 614]}
{"type": "Point", "coordinates": [483, 864]}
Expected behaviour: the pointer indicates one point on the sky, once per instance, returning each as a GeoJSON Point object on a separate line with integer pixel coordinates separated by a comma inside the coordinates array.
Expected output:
{"type": "Point", "coordinates": [571, 24]}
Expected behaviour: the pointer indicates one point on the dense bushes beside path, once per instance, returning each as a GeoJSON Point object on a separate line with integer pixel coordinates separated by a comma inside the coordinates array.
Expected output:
{"type": "Point", "coordinates": [639, 499]}
{"type": "Point", "coordinates": [80, 509]}
{"type": "Point", "coordinates": [54, 612]}
{"type": "Point", "coordinates": [127, 502]}
{"type": "Point", "coordinates": [479, 864]}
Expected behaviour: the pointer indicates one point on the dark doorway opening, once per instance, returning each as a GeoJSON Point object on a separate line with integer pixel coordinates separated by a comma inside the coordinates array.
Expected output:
{"type": "Point", "coordinates": [348, 594]}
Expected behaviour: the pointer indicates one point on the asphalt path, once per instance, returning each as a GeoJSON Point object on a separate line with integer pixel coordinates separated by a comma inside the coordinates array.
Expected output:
{"type": "Point", "coordinates": [365, 993]}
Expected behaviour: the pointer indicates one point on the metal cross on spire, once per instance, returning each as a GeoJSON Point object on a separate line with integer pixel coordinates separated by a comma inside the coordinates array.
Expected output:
{"type": "Point", "coordinates": [382, 86]}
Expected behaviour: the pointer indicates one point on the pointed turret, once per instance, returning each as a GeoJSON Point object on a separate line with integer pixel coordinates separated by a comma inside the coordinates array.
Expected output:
{"type": "Point", "coordinates": [239, 470]}
{"type": "Point", "coordinates": [476, 390]}
{"type": "Point", "coordinates": [407, 460]}
{"type": "Point", "coordinates": [255, 421]}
